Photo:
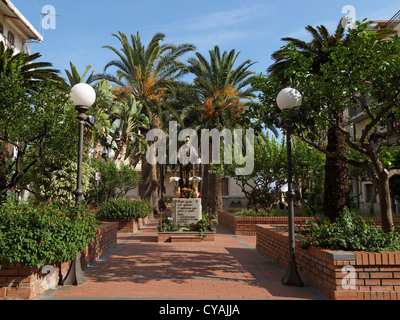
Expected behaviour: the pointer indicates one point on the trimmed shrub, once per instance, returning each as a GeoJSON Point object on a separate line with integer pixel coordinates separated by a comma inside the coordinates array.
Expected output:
{"type": "Point", "coordinates": [47, 233]}
{"type": "Point", "coordinates": [124, 208]}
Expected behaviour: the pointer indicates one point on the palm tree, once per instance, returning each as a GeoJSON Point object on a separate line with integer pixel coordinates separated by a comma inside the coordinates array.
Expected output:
{"type": "Point", "coordinates": [150, 73]}
{"type": "Point", "coordinates": [128, 121]}
{"type": "Point", "coordinates": [31, 70]}
{"type": "Point", "coordinates": [223, 92]}
{"type": "Point", "coordinates": [74, 77]}
{"type": "Point", "coordinates": [336, 189]}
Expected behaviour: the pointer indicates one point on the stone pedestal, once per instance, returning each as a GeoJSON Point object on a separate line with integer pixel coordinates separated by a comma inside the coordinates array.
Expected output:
{"type": "Point", "coordinates": [186, 211]}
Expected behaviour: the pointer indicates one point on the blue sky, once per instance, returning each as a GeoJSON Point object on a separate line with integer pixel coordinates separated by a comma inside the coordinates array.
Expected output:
{"type": "Point", "coordinates": [253, 27]}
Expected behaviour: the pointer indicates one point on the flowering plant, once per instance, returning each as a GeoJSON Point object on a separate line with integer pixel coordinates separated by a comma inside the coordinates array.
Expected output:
{"type": "Point", "coordinates": [188, 193]}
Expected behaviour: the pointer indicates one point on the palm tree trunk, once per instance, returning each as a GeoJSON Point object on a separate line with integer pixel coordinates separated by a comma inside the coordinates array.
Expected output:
{"type": "Point", "coordinates": [214, 188]}
{"type": "Point", "coordinates": [144, 187]}
{"type": "Point", "coordinates": [154, 181]}
{"type": "Point", "coordinates": [337, 188]}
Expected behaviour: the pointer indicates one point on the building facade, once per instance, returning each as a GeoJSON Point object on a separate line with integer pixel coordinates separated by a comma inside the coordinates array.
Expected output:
{"type": "Point", "coordinates": [15, 30]}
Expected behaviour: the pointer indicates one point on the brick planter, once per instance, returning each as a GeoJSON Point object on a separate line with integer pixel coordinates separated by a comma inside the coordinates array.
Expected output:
{"type": "Point", "coordinates": [21, 282]}
{"type": "Point", "coordinates": [187, 236]}
{"type": "Point", "coordinates": [127, 226]}
{"type": "Point", "coordinates": [338, 275]}
{"type": "Point", "coordinates": [247, 225]}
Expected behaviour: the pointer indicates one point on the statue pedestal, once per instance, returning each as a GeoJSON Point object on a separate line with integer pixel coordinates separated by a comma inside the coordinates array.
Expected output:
{"type": "Point", "coordinates": [186, 211]}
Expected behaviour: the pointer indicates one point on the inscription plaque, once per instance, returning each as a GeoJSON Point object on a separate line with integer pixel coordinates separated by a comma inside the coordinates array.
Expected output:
{"type": "Point", "coordinates": [186, 211]}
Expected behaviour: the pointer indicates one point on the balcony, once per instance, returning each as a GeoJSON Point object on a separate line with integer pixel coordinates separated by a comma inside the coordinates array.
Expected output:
{"type": "Point", "coordinates": [393, 22]}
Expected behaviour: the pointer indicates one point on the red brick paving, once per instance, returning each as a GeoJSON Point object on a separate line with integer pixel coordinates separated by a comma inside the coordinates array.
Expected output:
{"type": "Point", "coordinates": [142, 268]}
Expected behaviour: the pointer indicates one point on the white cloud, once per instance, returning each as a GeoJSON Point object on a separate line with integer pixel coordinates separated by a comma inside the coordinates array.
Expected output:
{"type": "Point", "coordinates": [218, 28]}
{"type": "Point", "coordinates": [223, 19]}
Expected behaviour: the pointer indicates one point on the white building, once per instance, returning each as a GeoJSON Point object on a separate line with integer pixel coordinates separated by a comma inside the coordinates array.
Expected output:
{"type": "Point", "coordinates": [15, 30]}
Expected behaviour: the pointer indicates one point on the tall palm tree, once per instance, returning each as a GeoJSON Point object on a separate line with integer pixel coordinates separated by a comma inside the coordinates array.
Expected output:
{"type": "Point", "coordinates": [336, 189]}
{"type": "Point", "coordinates": [150, 73]}
{"type": "Point", "coordinates": [223, 91]}
{"type": "Point", "coordinates": [32, 71]}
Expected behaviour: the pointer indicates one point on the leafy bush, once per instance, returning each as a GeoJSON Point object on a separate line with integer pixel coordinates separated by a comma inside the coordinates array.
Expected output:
{"type": "Point", "coordinates": [167, 225]}
{"type": "Point", "coordinates": [203, 225]}
{"type": "Point", "coordinates": [46, 233]}
{"type": "Point", "coordinates": [55, 178]}
{"type": "Point", "coordinates": [253, 213]}
{"type": "Point", "coordinates": [113, 182]}
{"type": "Point", "coordinates": [124, 208]}
{"type": "Point", "coordinates": [350, 232]}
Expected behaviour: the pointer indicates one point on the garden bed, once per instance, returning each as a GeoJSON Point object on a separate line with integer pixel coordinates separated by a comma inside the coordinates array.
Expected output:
{"type": "Point", "coordinates": [246, 226]}
{"type": "Point", "coordinates": [339, 275]}
{"type": "Point", "coordinates": [186, 236]}
{"type": "Point", "coordinates": [21, 282]}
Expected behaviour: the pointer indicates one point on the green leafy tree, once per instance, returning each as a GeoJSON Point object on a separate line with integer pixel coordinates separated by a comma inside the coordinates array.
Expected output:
{"type": "Point", "coordinates": [366, 67]}
{"type": "Point", "coordinates": [262, 186]}
{"type": "Point", "coordinates": [31, 125]}
{"type": "Point", "coordinates": [24, 85]}
{"type": "Point", "coordinates": [111, 181]}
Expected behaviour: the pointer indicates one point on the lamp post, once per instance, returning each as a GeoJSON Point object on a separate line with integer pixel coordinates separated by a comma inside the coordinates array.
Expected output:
{"type": "Point", "coordinates": [83, 96]}
{"type": "Point", "coordinates": [289, 98]}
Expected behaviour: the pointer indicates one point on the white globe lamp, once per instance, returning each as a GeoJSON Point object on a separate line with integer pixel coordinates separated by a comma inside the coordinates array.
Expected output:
{"type": "Point", "coordinates": [82, 94]}
{"type": "Point", "coordinates": [288, 98]}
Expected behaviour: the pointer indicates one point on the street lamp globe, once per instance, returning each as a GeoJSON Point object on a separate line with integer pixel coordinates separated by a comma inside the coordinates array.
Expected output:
{"type": "Point", "coordinates": [83, 94]}
{"type": "Point", "coordinates": [288, 98]}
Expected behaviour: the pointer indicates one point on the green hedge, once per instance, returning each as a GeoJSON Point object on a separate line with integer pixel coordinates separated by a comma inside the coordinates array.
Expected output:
{"type": "Point", "coordinates": [43, 234]}
{"type": "Point", "coordinates": [124, 208]}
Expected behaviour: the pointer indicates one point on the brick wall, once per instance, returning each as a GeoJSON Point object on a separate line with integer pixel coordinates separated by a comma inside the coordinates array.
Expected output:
{"type": "Point", "coordinates": [127, 226]}
{"type": "Point", "coordinates": [338, 275]}
{"type": "Point", "coordinates": [247, 225]}
{"type": "Point", "coordinates": [21, 282]}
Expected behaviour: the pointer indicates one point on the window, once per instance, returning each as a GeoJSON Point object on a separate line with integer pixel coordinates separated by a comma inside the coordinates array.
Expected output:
{"type": "Point", "coordinates": [11, 38]}
{"type": "Point", "coordinates": [369, 192]}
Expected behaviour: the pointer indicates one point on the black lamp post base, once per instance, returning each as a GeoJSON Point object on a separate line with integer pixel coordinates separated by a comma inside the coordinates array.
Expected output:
{"type": "Point", "coordinates": [292, 276]}
{"type": "Point", "coordinates": [75, 275]}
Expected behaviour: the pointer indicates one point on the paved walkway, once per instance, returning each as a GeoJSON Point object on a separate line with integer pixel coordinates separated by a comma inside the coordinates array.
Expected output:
{"type": "Point", "coordinates": [141, 268]}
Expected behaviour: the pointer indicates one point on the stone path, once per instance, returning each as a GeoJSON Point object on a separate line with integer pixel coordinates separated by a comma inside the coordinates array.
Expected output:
{"type": "Point", "coordinates": [141, 268]}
